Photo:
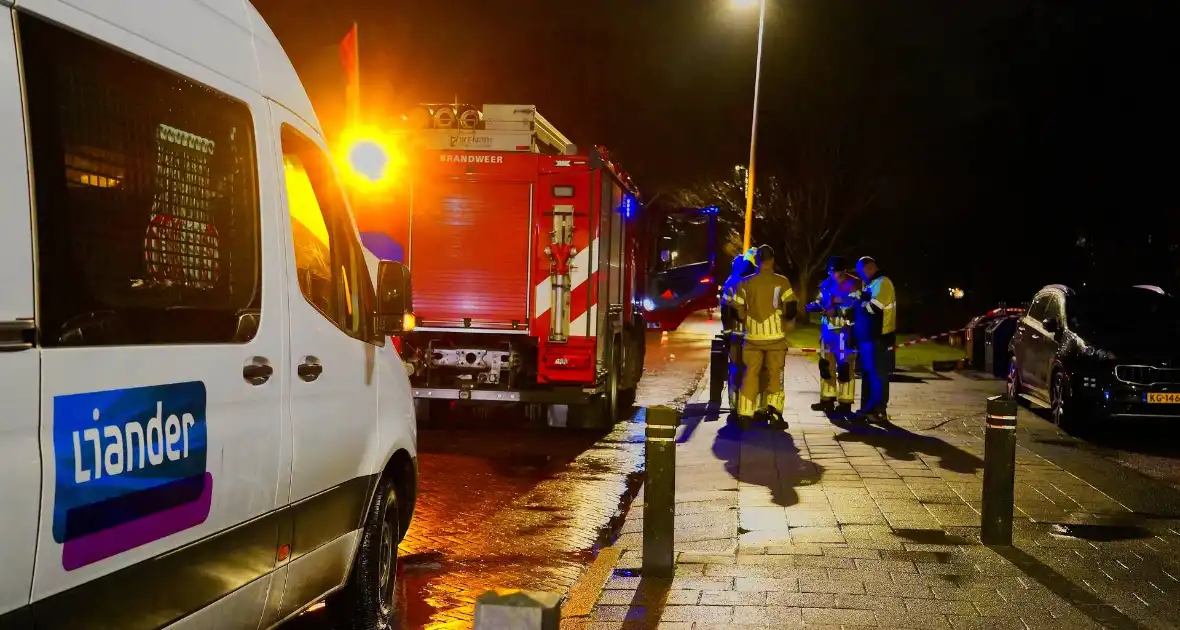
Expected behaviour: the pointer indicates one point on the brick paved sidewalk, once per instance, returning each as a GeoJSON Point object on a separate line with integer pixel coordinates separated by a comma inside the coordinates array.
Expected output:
{"type": "Point", "coordinates": [830, 525]}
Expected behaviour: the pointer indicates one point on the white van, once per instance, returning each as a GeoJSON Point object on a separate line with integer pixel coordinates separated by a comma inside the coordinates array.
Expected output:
{"type": "Point", "coordinates": [201, 422]}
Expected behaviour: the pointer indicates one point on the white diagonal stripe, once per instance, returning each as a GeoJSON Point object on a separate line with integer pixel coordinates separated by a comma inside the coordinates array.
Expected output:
{"type": "Point", "coordinates": [542, 295]}
{"type": "Point", "coordinates": [581, 266]}
{"type": "Point", "coordinates": [579, 273]}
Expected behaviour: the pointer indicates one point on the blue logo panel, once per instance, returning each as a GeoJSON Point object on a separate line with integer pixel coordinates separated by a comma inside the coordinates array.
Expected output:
{"type": "Point", "coordinates": [124, 460]}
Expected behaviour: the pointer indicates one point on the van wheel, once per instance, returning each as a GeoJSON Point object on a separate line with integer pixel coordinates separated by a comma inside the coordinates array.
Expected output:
{"type": "Point", "coordinates": [367, 601]}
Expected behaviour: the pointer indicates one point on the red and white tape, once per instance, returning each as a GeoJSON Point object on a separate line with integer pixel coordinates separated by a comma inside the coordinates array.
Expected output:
{"type": "Point", "coordinates": [919, 340]}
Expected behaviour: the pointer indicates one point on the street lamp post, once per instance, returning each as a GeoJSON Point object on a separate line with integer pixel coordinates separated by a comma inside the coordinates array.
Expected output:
{"type": "Point", "coordinates": [754, 124]}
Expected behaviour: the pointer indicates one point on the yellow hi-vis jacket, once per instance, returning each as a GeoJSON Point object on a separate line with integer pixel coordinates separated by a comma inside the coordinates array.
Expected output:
{"type": "Point", "coordinates": [877, 315]}
{"type": "Point", "coordinates": [760, 303]}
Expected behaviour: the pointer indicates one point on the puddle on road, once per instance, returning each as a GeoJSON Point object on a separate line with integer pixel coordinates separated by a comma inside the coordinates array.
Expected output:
{"type": "Point", "coordinates": [1099, 533]}
{"type": "Point", "coordinates": [523, 507]}
{"type": "Point", "coordinates": [931, 537]}
{"type": "Point", "coordinates": [1057, 441]}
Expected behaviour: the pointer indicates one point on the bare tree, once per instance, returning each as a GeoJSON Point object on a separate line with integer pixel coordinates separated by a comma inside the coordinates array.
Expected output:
{"type": "Point", "coordinates": [803, 212]}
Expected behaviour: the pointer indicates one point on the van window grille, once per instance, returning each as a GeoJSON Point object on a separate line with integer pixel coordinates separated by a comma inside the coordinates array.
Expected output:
{"type": "Point", "coordinates": [145, 196]}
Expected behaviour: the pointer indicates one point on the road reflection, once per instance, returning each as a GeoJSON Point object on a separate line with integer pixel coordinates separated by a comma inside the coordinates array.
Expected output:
{"type": "Point", "coordinates": [506, 504]}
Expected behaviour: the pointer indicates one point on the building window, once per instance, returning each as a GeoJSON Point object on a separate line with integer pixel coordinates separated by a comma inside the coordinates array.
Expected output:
{"type": "Point", "coordinates": [145, 196]}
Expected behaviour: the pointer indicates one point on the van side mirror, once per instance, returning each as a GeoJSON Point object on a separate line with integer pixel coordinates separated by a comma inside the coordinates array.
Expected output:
{"type": "Point", "coordinates": [395, 299]}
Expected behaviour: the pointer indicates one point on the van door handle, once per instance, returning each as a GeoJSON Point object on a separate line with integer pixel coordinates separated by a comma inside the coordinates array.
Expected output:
{"type": "Point", "coordinates": [17, 335]}
{"type": "Point", "coordinates": [257, 373]}
{"type": "Point", "coordinates": [310, 369]}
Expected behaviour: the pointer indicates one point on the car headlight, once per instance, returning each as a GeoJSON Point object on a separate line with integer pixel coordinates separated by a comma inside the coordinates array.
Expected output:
{"type": "Point", "coordinates": [1101, 355]}
{"type": "Point", "coordinates": [648, 304]}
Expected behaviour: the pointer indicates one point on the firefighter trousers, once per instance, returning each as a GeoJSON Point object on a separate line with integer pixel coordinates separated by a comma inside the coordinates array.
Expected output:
{"type": "Point", "coordinates": [737, 370]}
{"type": "Point", "coordinates": [836, 367]}
{"type": "Point", "coordinates": [757, 357]}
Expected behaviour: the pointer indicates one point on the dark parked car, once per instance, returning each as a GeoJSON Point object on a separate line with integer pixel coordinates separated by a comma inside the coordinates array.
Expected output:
{"type": "Point", "coordinates": [1099, 353]}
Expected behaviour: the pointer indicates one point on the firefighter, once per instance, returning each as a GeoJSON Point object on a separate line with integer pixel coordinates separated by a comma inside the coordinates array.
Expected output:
{"type": "Point", "coordinates": [837, 356]}
{"type": "Point", "coordinates": [731, 327]}
{"type": "Point", "coordinates": [875, 331]}
{"type": "Point", "coordinates": [762, 301]}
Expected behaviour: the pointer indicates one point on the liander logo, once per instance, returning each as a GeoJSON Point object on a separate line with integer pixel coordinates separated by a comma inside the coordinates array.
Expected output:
{"type": "Point", "coordinates": [130, 468]}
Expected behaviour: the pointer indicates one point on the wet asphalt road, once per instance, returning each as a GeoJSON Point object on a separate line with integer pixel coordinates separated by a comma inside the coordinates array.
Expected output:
{"type": "Point", "coordinates": [510, 505]}
{"type": "Point", "coordinates": [1151, 447]}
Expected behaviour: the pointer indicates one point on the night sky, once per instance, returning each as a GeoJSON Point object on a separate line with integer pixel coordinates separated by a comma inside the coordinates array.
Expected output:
{"type": "Point", "coordinates": [1014, 142]}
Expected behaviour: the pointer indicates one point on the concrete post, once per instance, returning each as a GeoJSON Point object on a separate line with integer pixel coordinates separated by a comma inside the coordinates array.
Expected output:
{"type": "Point", "coordinates": [659, 492]}
{"type": "Point", "coordinates": [517, 610]}
{"type": "Point", "coordinates": [718, 368]}
{"type": "Point", "coordinates": [999, 471]}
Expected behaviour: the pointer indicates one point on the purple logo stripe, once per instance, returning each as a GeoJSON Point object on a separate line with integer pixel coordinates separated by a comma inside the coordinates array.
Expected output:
{"type": "Point", "coordinates": [101, 545]}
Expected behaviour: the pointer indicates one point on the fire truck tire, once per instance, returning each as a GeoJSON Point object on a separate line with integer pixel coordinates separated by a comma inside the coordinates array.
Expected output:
{"type": "Point", "coordinates": [428, 412]}
{"type": "Point", "coordinates": [602, 411]}
{"type": "Point", "coordinates": [595, 414]}
{"type": "Point", "coordinates": [536, 413]}
{"type": "Point", "coordinates": [634, 350]}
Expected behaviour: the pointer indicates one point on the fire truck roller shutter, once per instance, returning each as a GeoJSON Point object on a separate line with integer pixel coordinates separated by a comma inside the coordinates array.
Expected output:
{"type": "Point", "coordinates": [469, 252]}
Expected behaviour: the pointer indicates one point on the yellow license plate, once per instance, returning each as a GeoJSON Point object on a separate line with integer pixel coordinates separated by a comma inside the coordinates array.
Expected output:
{"type": "Point", "coordinates": [1166, 398]}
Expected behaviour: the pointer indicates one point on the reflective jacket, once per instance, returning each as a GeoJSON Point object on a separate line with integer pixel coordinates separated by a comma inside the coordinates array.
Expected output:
{"type": "Point", "coordinates": [839, 296]}
{"type": "Point", "coordinates": [729, 317]}
{"type": "Point", "coordinates": [876, 311]}
{"type": "Point", "coordinates": [762, 300]}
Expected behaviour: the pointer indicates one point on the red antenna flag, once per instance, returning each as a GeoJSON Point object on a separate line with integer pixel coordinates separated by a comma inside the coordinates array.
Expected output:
{"type": "Point", "coordinates": [350, 61]}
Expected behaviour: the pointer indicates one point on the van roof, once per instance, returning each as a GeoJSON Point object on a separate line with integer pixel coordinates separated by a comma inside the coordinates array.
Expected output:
{"type": "Point", "coordinates": [228, 37]}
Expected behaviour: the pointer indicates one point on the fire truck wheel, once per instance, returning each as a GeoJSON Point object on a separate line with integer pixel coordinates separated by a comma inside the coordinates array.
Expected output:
{"type": "Point", "coordinates": [428, 412]}
{"type": "Point", "coordinates": [536, 413]}
{"type": "Point", "coordinates": [626, 400]}
{"type": "Point", "coordinates": [632, 362]}
{"type": "Point", "coordinates": [598, 413]}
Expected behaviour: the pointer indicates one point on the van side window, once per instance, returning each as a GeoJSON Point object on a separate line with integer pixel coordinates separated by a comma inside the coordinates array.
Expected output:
{"type": "Point", "coordinates": [333, 275]}
{"type": "Point", "coordinates": [145, 198]}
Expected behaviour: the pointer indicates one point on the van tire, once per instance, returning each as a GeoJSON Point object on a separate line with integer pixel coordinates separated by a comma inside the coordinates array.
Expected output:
{"type": "Point", "coordinates": [369, 600]}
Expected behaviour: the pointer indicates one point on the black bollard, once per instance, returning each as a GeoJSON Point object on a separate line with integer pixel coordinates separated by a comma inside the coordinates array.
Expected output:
{"type": "Point", "coordinates": [999, 471]}
{"type": "Point", "coordinates": [718, 368]}
{"type": "Point", "coordinates": [659, 492]}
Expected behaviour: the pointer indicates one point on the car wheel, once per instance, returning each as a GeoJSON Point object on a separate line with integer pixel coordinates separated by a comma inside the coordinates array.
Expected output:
{"type": "Point", "coordinates": [1015, 388]}
{"type": "Point", "coordinates": [367, 601]}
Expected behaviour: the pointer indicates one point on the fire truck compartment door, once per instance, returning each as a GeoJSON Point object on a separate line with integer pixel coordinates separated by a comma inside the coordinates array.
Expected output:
{"type": "Point", "coordinates": [469, 253]}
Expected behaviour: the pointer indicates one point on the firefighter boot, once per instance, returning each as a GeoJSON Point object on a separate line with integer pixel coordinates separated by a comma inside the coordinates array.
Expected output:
{"type": "Point", "coordinates": [845, 387]}
{"type": "Point", "coordinates": [827, 395]}
{"type": "Point", "coordinates": [775, 419]}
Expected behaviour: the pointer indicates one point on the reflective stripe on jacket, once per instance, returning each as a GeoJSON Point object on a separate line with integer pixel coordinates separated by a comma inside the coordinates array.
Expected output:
{"type": "Point", "coordinates": [760, 300]}
{"type": "Point", "coordinates": [876, 315]}
{"type": "Point", "coordinates": [831, 328]}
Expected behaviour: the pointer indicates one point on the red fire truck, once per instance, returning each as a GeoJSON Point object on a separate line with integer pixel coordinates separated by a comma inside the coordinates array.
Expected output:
{"type": "Point", "coordinates": [529, 262]}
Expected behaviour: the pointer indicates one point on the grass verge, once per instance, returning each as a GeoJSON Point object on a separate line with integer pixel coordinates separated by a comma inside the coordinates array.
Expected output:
{"type": "Point", "coordinates": [922, 354]}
